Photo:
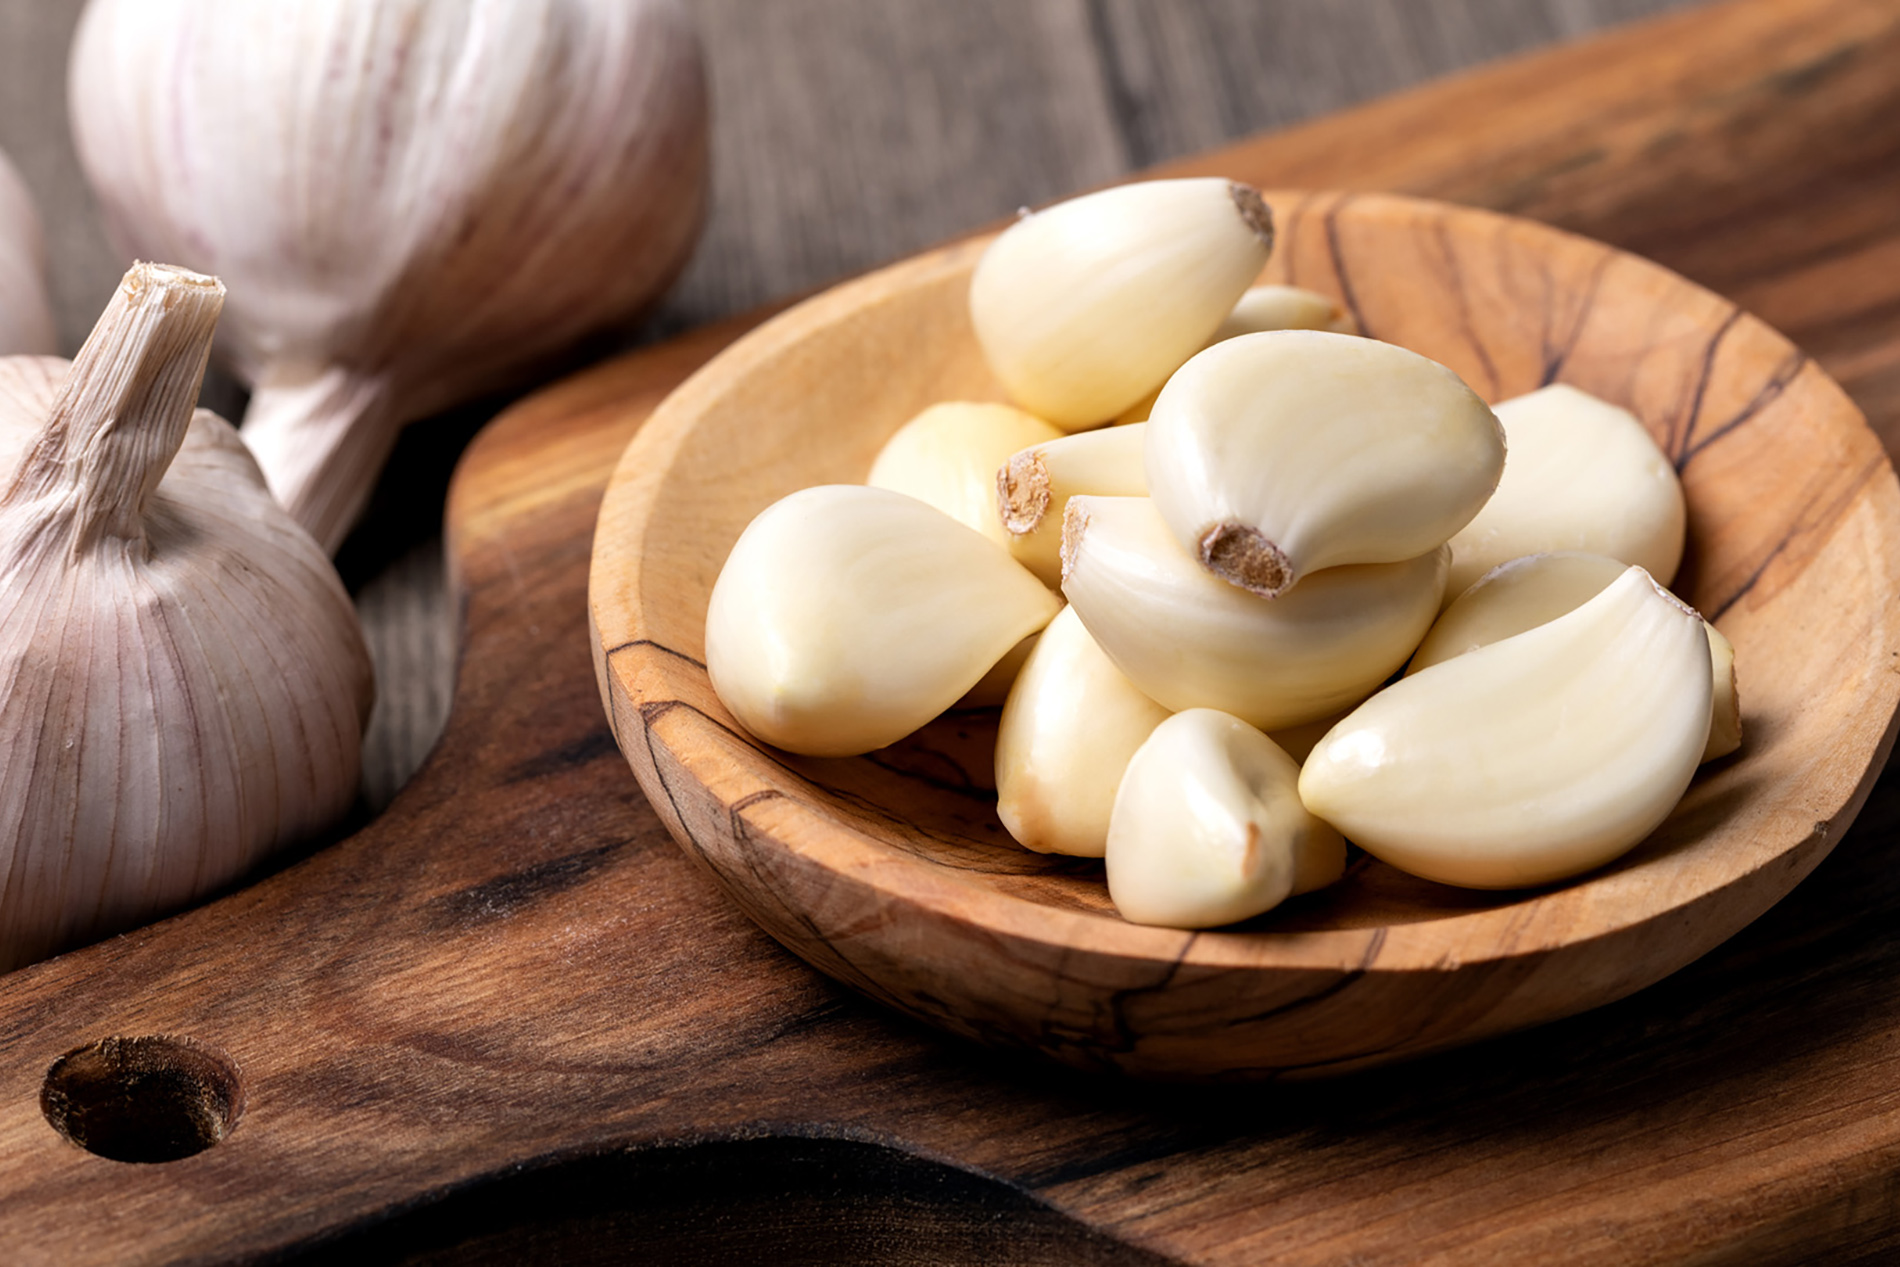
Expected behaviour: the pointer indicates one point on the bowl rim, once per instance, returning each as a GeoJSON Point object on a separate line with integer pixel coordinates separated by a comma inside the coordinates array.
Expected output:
{"type": "Point", "coordinates": [1617, 901]}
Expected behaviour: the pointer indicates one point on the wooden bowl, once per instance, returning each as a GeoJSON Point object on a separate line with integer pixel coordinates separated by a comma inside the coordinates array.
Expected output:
{"type": "Point", "coordinates": [891, 871]}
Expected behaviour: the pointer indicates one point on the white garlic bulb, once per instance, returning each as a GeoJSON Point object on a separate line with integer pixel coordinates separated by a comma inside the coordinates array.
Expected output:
{"type": "Point", "coordinates": [1533, 759]}
{"type": "Point", "coordinates": [1187, 639]}
{"type": "Point", "coordinates": [26, 319]}
{"type": "Point", "coordinates": [183, 684]}
{"type": "Point", "coordinates": [847, 616]}
{"type": "Point", "coordinates": [1583, 475]}
{"type": "Point", "coordinates": [1208, 827]}
{"type": "Point", "coordinates": [412, 201]}
{"type": "Point", "coordinates": [1277, 454]}
{"type": "Point", "coordinates": [1069, 726]}
{"type": "Point", "coordinates": [1085, 307]}
{"type": "Point", "coordinates": [1538, 588]}
{"type": "Point", "coordinates": [949, 455]}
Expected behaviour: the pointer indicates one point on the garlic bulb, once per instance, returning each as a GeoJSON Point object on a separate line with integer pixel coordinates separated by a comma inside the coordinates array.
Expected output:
{"type": "Point", "coordinates": [1538, 588]}
{"type": "Point", "coordinates": [1534, 759]}
{"type": "Point", "coordinates": [1069, 727]}
{"type": "Point", "coordinates": [1276, 454]}
{"type": "Point", "coordinates": [949, 454]}
{"type": "Point", "coordinates": [183, 685]}
{"type": "Point", "coordinates": [412, 201]}
{"type": "Point", "coordinates": [1208, 827]}
{"type": "Point", "coordinates": [1187, 639]}
{"type": "Point", "coordinates": [1583, 475]}
{"type": "Point", "coordinates": [1033, 489]}
{"type": "Point", "coordinates": [26, 319]}
{"type": "Point", "coordinates": [846, 617]}
{"type": "Point", "coordinates": [1084, 308]}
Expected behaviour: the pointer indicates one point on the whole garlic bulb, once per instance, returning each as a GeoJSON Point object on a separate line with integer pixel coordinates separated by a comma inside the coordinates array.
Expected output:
{"type": "Point", "coordinates": [26, 319]}
{"type": "Point", "coordinates": [412, 201]}
{"type": "Point", "coordinates": [183, 684]}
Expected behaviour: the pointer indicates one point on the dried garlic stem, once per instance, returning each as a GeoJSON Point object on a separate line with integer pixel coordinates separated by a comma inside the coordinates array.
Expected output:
{"type": "Point", "coordinates": [121, 414]}
{"type": "Point", "coordinates": [321, 445]}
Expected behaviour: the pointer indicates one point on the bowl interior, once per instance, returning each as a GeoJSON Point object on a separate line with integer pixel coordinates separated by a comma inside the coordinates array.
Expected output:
{"type": "Point", "coordinates": [1792, 534]}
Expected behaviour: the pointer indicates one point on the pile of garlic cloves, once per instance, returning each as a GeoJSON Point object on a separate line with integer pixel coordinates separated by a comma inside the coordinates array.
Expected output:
{"type": "Point", "coordinates": [1257, 519]}
{"type": "Point", "coordinates": [183, 683]}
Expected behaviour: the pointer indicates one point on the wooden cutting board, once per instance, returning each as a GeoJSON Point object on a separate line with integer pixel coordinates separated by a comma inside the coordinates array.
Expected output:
{"type": "Point", "coordinates": [508, 1018]}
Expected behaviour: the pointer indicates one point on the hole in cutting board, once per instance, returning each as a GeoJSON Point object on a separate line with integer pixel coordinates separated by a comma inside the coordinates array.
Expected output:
{"type": "Point", "coordinates": [142, 1099]}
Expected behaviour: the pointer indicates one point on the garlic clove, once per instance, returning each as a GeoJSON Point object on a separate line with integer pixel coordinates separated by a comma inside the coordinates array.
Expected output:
{"type": "Point", "coordinates": [1725, 724]}
{"type": "Point", "coordinates": [26, 316]}
{"type": "Point", "coordinates": [1584, 476]}
{"type": "Point", "coordinates": [993, 688]}
{"type": "Point", "coordinates": [1208, 827]}
{"type": "Point", "coordinates": [183, 683]}
{"type": "Point", "coordinates": [1261, 308]}
{"type": "Point", "coordinates": [1070, 725]}
{"type": "Point", "coordinates": [847, 616]}
{"type": "Point", "coordinates": [413, 203]}
{"type": "Point", "coordinates": [1083, 308]}
{"type": "Point", "coordinates": [1032, 490]}
{"type": "Point", "coordinates": [948, 456]}
{"type": "Point", "coordinates": [1538, 588]}
{"type": "Point", "coordinates": [1283, 308]}
{"type": "Point", "coordinates": [1533, 759]}
{"type": "Point", "coordinates": [1187, 639]}
{"type": "Point", "coordinates": [1277, 454]}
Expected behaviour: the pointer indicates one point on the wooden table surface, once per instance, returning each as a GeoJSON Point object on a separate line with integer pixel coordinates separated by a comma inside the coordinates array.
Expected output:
{"type": "Point", "coordinates": [996, 104]}
{"type": "Point", "coordinates": [846, 133]}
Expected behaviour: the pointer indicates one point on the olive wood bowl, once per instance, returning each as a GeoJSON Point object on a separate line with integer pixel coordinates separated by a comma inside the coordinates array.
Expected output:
{"type": "Point", "coordinates": [891, 871]}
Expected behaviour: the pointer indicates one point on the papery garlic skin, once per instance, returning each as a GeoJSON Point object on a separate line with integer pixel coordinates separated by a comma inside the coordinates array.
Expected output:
{"type": "Point", "coordinates": [1277, 454]}
{"type": "Point", "coordinates": [1032, 489]}
{"type": "Point", "coordinates": [1208, 827]}
{"type": "Point", "coordinates": [1085, 307]}
{"type": "Point", "coordinates": [183, 682]}
{"type": "Point", "coordinates": [1069, 727]}
{"type": "Point", "coordinates": [948, 457]}
{"type": "Point", "coordinates": [1538, 588]}
{"type": "Point", "coordinates": [847, 616]}
{"type": "Point", "coordinates": [1530, 760]}
{"type": "Point", "coordinates": [1261, 308]}
{"type": "Point", "coordinates": [412, 201]}
{"type": "Point", "coordinates": [26, 317]}
{"type": "Point", "coordinates": [1583, 475]}
{"type": "Point", "coordinates": [1187, 639]}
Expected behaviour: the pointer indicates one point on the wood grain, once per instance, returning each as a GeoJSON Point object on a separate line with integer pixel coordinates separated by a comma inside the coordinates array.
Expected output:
{"type": "Point", "coordinates": [892, 872]}
{"type": "Point", "coordinates": [514, 977]}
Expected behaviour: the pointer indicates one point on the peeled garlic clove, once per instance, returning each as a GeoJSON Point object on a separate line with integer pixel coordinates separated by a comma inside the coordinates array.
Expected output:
{"type": "Point", "coordinates": [1070, 725]}
{"type": "Point", "coordinates": [846, 617]}
{"type": "Point", "coordinates": [1189, 640]}
{"type": "Point", "coordinates": [26, 318]}
{"type": "Point", "coordinates": [1208, 827]}
{"type": "Point", "coordinates": [948, 456]}
{"type": "Point", "coordinates": [413, 202]}
{"type": "Point", "coordinates": [1087, 306]}
{"type": "Point", "coordinates": [1274, 455]}
{"type": "Point", "coordinates": [1283, 308]}
{"type": "Point", "coordinates": [1033, 488]}
{"type": "Point", "coordinates": [1535, 590]}
{"type": "Point", "coordinates": [993, 688]}
{"type": "Point", "coordinates": [1725, 725]}
{"type": "Point", "coordinates": [1583, 476]}
{"type": "Point", "coordinates": [1261, 308]}
{"type": "Point", "coordinates": [1533, 759]}
{"type": "Point", "coordinates": [183, 683]}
